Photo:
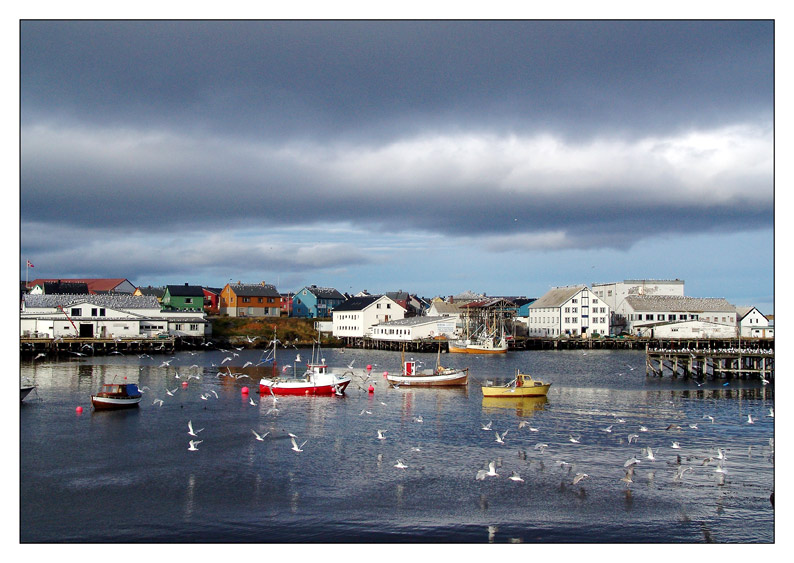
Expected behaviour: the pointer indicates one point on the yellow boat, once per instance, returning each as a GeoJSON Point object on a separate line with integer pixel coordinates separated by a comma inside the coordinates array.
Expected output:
{"type": "Point", "coordinates": [521, 386]}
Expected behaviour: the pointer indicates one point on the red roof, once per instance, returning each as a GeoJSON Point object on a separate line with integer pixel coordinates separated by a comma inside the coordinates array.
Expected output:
{"type": "Point", "coordinates": [94, 284]}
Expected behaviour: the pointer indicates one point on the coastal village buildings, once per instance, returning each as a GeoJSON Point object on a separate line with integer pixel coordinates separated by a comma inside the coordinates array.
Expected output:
{"type": "Point", "coordinates": [414, 328]}
{"type": "Point", "coordinates": [355, 317]}
{"type": "Point", "coordinates": [183, 297]}
{"type": "Point", "coordinates": [645, 312]}
{"type": "Point", "coordinates": [315, 302]}
{"type": "Point", "coordinates": [105, 316]}
{"type": "Point", "coordinates": [250, 300]}
{"type": "Point", "coordinates": [568, 311]}
{"type": "Point", "coordinates": [614, 293]}
{"type": "Point", "coordinates": [753, 324]}
{"type": "Point", "coordinates": [95, 285]}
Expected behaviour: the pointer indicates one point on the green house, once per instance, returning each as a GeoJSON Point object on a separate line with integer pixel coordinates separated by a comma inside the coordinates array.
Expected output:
{"type": "Point", "coordinates": [183, 297]}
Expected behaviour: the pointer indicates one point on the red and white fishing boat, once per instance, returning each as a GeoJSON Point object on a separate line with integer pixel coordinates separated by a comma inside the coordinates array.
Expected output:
{"type": "Point", "coordinates": [438, 377]}
{"type": "Point", "coordinates": [117, 396]}
{"type": "Point", "coordinates": [317, 380]}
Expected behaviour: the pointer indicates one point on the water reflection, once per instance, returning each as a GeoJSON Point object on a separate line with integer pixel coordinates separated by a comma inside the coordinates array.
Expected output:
{"type": "Point", "coordinates": [523, 406]}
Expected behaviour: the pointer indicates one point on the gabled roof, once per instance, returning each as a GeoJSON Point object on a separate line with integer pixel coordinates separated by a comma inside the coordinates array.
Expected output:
{"type": "Point", "coordinates": [446, 308]}
{"type": "Point", "coordinates": [357, 303]}
{"type": "Point", "coordinates": [185, 290]}
{"type": "Point", "coordinates": [153, 291]}
{"type": "Point", "coordinates": [557, 296]}
{"type": "Point", "coordinates": [72, 288]}
{"type": "Point", "coordinates": [663, 303]}
{"type": "Point", "coordinates": [255, 290]}
{"type": "Point", "coordinates": [111, 301]}
{"type": "Point", "coordinates": [743, 311]}
{"type": "Point", "coordinates": [324, 292]}
{"type": "Point", "coordinates": [94, 284]}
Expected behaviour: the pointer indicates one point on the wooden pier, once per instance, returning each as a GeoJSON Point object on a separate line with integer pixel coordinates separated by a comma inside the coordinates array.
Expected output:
{"type": "Point", "coordinates": [96, 346]}
{"type": "Point", "coordinates": [752, 361]}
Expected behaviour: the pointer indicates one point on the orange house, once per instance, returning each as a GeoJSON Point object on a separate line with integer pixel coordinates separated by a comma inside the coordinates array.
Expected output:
{"type": "Point", "coordinates": [250, 300]}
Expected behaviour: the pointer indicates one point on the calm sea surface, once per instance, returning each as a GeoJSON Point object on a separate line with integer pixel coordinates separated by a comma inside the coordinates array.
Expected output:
{"type": "Point", "coordinates": [128, 476]}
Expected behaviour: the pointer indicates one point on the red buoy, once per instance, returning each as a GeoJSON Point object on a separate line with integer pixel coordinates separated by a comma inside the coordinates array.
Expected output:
{"type": "Point", "coordinates": [79, 410]}
{"type": "Point", "coordinates": [371, 389]}
{"type": "Point", "coordinates": [369, 367]}
{"type": "Point", "coordinates": [244, 390]}
{"type": "Point", "coordinates": [184, 384]}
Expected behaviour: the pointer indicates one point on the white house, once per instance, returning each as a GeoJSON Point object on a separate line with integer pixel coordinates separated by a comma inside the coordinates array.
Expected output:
{"type": "Point", "coordinates": [688, 329]}
{"type": "Point", "coordinates": [753, 324]}
{"type": "Point", "coordinates": [568, 311]}
{"type": "Point", "coordinates": [104, 316]}
{"type": "Point", "coordinates": [646, 311]}
{"type": "Point", "coordinates": [354, 317]}
{"type": "Point", "coordinates": [414, 328]}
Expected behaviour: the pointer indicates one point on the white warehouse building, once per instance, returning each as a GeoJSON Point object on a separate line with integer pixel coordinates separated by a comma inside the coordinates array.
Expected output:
{"type": "Point", "coordinates": [568, 311]}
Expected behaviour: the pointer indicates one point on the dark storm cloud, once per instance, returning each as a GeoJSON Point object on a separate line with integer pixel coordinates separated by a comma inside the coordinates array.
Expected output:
{"type": "Point", "coordinates": [281, 79]}
{"type": "Point", "coordinates": [563, 134]}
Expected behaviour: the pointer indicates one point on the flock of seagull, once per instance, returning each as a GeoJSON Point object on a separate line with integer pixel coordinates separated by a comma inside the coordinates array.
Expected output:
{"type": "Point", "coordinates": [664, 450]}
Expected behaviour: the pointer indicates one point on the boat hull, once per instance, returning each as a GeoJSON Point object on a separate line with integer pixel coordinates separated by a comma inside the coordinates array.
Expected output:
{"type": "Point", "coordinates": [267, 386]}
{"type": "Point", "coordinates": [107, 403]}
{"type": "Point", "coordinates": [460, 377]}
{"type": "Point", "coordinates": [512, 392]}
{"type": "Point", "coordinates": [25, 391]}
{"type": "Point", "coordinates": [474, 349]}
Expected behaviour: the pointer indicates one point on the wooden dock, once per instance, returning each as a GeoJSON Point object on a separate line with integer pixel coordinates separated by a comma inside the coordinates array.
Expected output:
{"type": "Point", "coordinates": [96, 346]}
{"type": "Point", "coordinates": [747, 362]}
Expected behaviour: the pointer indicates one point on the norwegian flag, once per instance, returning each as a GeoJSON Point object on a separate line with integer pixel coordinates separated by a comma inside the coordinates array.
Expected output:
{"type": "Point", "coordinates": [29, 264]}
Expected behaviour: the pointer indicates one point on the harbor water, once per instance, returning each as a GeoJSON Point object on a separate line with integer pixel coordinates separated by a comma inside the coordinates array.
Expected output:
{"type": "Point", "coordinates": [129, 476]}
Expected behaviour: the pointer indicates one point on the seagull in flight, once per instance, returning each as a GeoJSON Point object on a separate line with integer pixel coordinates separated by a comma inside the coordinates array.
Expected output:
{"type": "Point", "coordinates": [573, 440]}
{"type": "Point", "coordinates": [608, 429]}
{"type": "Point", "coordinates": [260, 437]}
{"type": "Point", "coordinates": [190, 429]}
{"type": "Point", "coordinates": [541, 447]}
{"type": "Point", "coordinates": [171, 392]}
{"type": "Point", "coordinates": [380, 435]}
{"type": "Point", "coordinates": [491, 472]}
{"type": "Point", "coordinates": [675, 446]}
{"type": "Point", "coordinates": [193, 444]}
{"type": "Point", "coordinates": [501, 438]}
{"type": "Point", "coordinates": [251, 401]}
{"type": "Point", "coordinates": [680, 473]}
{"type": "Point", "coordinates": [246, 364]}
{"type": "Point", "coordinates": [750, 419]}
{"type": "Point", "coordinates": [158, 402]}
{"type": "Point", "coordinates": [649, 454]}
{"type": "Point", "coordinates": [295, 446]}
{"type": "Point", "coordinates": [400, 464]}
{"type": "Point", "coordinates": [709, 417]}
{"type": "Point", "coordinates": [487, 426]}
{"type": "Point", "coordinates": [514, 476]}
{"type": "Point", "coordinates": [578, 477]}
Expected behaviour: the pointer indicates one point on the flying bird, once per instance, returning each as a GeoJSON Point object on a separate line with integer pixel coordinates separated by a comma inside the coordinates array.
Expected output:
{"type": "Point", "coordinates": [400, 464]}
{"type": "Point", "coordinates": [501, 438]}
{"type": "Point", "coordinates": [491, 472]}
{"type": "Point", "coordinates": [190, 429]}
{"type": "Point", "coordinates": [380, 435]}
{"type": "Point", "coordinates": [515, 477]}
{"type": "Point", "coordinates": [578, 477]}
{"type": "Point", "coordinates": [487, 426]}
{"type": "Point", "coordinates": [260, 437]}
{"type": "Point", "coordinates": [193, 443]}
{"type": "Point", "coordinates": [295, 446]}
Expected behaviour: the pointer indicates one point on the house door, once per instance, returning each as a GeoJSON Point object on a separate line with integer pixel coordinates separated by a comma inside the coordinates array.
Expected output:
{"type": "Point", "coordinates": [86, 330]}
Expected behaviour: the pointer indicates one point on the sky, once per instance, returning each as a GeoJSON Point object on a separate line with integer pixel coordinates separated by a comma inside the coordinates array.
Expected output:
{"type": "Point", "coordinates": [502, 157]}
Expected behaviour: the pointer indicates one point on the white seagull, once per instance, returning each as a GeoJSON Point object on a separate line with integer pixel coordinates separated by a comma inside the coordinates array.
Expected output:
{"type": "Point", "coordinates": [501, 438]}
{"type": "Point", "coordinates": [380, 435]}
{"type": "Point", "coordinates": [675, 446]}
{"type": "Point", "coordinates": [260, 437]}
{"type": "Point", "coordinates": [578, 477]}
{"type": "Point", "coordinates": [193, 444]}
{"type": "Point", "coordinates": [491, 472]}
{"type": "Point", "coordinates": [487, 426]}
{"type": "Point", "coordinates": [515, 477]}
{"type": "Point", "coordinates": [750, 419]}
{"type": "Point", "coordinates": [573, 440]}
{"type": "Point", "coordinates": [295, 445]}
{"type": "Point", "coordinates": [190, 429]}
{"type": "Point", "coordinates": [400, 464]}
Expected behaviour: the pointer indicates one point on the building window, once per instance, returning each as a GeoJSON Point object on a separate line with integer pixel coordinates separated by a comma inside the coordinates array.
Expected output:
{"type": "Point", "coordinates": [93, 312]}
{"type": "Point", "coordinates": [194, 327]}
{"type": "Point", "coordinates": [188, 300]}
{"type": "Point", "coordinates": [76, 312]}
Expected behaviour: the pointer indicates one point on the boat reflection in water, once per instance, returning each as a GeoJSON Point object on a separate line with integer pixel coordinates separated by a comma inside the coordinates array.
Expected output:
{"type": "Point", "coordinates": [524, 406]}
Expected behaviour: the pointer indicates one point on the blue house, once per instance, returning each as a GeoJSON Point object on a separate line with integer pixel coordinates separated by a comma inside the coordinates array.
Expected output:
{"type": "Point", "coordinates": [315, 302]}
{"type": "Point", "coordinates": [523, 306]}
